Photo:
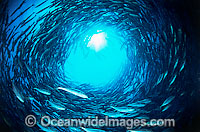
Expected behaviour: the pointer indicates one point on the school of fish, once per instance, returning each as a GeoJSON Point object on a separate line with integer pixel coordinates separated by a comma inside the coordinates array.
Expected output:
{"type": "Point", "coordinates": [35, 45]}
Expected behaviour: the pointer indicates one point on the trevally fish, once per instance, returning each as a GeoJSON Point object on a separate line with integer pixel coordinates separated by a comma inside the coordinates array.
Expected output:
{"type": "Point", "coordinates": [41, 3]}
{"type": "Point", "coordinates": [92, 130]}
{"type": "Point", "coordinates": [19, 96]}
{"type": "Point", "coordinates": [18, 7]}
{"type": "Point", "coordinates": [159, 79]}
{"type": "Point", "coordinates": [166, 107]}
{"type": "Point", "coordinates": [113, 114]}
{"type": "Point", "coordinates": [41, 42]}
{"type": "Point", "coordinates": [45, 129]}
{"type": "Point", "coordinates": [73, 92]}
{"type": "Point", "coordinates": [182, 67]}
{"type": "Point", "coordinates": [123, 109]}
{"type": "Point", "coordinates": [20, 15]}
{"type": "Point", "coordinates": [139, 130]}
{"type": "Point", "coordinates": [43, 91]}
{"type": "Point", "coordinates": [56, 106]}
{"type": "Point", "coordinates": [172, 81]}
{"type": "Point", "coordinates": [28, 68]}
{"type": "Point", "coordinates": [141, 103]}
{"type": "Point", "coordinates": [47, 50]}
{"type": "Point", "coordinates": [42, 9]}
{"type": "Point", "coordinates": [167, 101]}
{"type": "Point", "coordinates": [144, 101]}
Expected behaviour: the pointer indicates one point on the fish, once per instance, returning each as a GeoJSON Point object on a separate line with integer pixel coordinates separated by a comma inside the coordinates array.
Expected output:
{"type": "Point", "coordinates": [166, 107]}
{"type": "Point", "coordinates": [41, 17]}
{"type": "Point", "coordinates": [168, 100]}
{"type": "Point", "coordinates": [6, 19]}
{"type": "Point", "coordinates": [41, 3]}
{"type": "Point", "coordinates": [18, 7]}
{"type": "Point", "coordinates": [46, 129]}
{"type": "Point", "coordinates": [143, 117]}
{"type": "Point", "coordinates": [27, 21]}
{"type": "Point", "coordinates": [57, 4]}
{"type": "Point", "coordinates": [26, 35]}
{"type": "Point", "coordinates": [179, 34]}
{"type": "Point", "coordinates": [42, 9]}
{"type": "Point", "coordinates": [165, 36]}
{"type": "Point", "coordinates": [123, 109]}
{"type": "Point", "coordinates": [74, 129]}
{"type": "Point", "coordinates": [42, 35]}
{"type": "Point", "coordinates": [175, 65]}
{"type": "Point", "coordinates": [92, 130]}
{"type": "Point", "coordinates": [19, 63]}
{"type": "Point", "coordinates": [114, 115]}
{"type": "Point", "coordinates": [47, 50]}
{"type": "Point", "coordinates": [43, 91]}
{"type": "Point", "coordinates": [145, 101]}
{"type": "Point", "coordinates": [36, 105]}
{"type": "Point", "coordinates": [185, 38]}
{"type": "Point", "coordinates": [183, 65]}
{"type": "Point", "coordinates": [10, 33]}
{"type": "Point", "coordinates": [51, 40]}
{"type": "Point", "coordinates": [43, 49]}
{"type": "Point", "coordinates": [124, 14]}
{"type": "Point", "coordinates": [133, 15]}
{"type": "Point", "coordinates": [17, 39]}
{"type": "Point", "coordinates": [172, 29]}
{"type": "Point", "coordinates": [165, 74]}
{"type": "Point", "coordinates": [73, 92]}
{"type": "Point", "coordinates": [136, 105]}
{"type": "Point", "coordinates": [56, 106]}
{"type": "Point", "coordinates": [19, 96]}
{"type": "Point", "coordinates": [53, 28]}
{"type": "Point", "coordinates": [56, 114]}
{"type": "Point", "coordinates": [117, 1]}
{"type": "Point", "coordinates": [159, 79]}
{"type": "Point", "coordinates": [20, 15]}
{"type": "Point", "coordinates": [172, 81]}
{"type": "Point", "coordinates": [140, 103]}
{"type": "Point", "coordinates": [128, 9]}
{"type": "Point", "coordinates": [28, 68]}
{"type": "Point", "coordinates": [139, 130]}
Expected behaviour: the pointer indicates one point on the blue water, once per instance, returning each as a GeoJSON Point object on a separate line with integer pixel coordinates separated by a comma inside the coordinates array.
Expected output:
{"type": "Point", "coordinates": [98, 59]}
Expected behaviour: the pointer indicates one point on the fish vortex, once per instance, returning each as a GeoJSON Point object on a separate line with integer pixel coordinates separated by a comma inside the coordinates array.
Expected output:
{"type": "Point", "coordinates": [33, 54]}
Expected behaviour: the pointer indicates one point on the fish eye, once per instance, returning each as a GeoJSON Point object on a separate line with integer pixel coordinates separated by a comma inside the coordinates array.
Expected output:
{"type": "Point", "coordinates": [118, 60]}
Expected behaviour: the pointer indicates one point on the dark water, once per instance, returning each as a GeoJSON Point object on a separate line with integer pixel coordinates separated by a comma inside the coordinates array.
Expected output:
{"type": "Point", "coordinates": [37, 38]}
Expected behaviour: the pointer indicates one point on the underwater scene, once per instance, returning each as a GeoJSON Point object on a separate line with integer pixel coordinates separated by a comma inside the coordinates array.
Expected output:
{"type": "Point", "coordinates": [99, 66]}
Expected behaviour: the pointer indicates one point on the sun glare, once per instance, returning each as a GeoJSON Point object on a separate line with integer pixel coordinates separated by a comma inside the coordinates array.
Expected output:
{"type": "Point", "coordinates": [98, 41]}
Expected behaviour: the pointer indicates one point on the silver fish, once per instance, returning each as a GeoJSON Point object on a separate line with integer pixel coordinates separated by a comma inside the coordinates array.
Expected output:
{"type": "Point", "coordinates": [19, 96]}
{"type": "Point", "coordinates": [56, 106]}
{"type": "Point", "coordinates": [114, 115]}
{"type": "Point", "coordinates": [139, 130]}
{"type": "Point", "coordinates": [28, 68]}
{"type": "Point", "coordinates": [182, 67]}
{"type": "Point", "coordinates": [73, 92]}
{"type": "Point", "coordinates": [18, 7]}
{"type": "Point", "coordinates": [41, 3]}
{"type": "Point", "coordinates": [166, 107]}
{"type": "Point", "coordinates": [43, 91]}
{"type": "Point", "coordinates": [174, 78]}
{"type": "Point", "coordinates": [92, 130]}
{"type": "Point", "coordinates": [123, 109]}
{"type": "Point", "coordinates": [167, 101]}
